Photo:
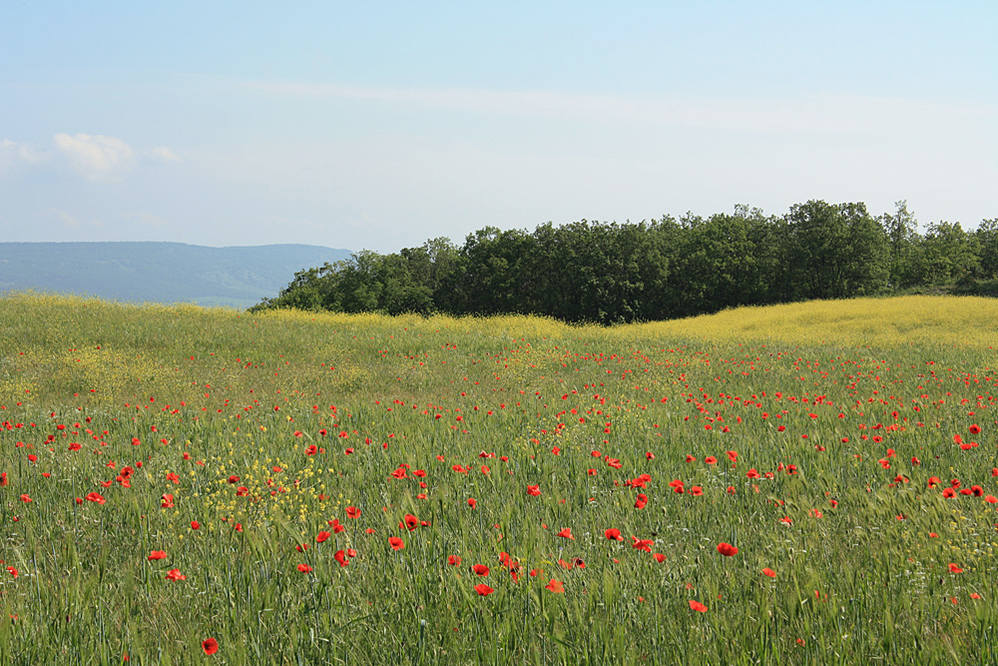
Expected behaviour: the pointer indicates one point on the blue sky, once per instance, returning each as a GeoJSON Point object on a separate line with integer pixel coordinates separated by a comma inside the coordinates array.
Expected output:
{"type": "Point", "coordinates": [381, 125]}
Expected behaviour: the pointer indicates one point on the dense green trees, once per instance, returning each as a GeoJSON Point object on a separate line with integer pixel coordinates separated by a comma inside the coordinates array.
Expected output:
{"type": "Point", "coordinates": [987, 244]}
{"type": "Point", "coordinates": [835, 251]}
{"type": "Point", "coordinates": [901, 233]}
{"type": "Point", "coordinates": [609, 272]}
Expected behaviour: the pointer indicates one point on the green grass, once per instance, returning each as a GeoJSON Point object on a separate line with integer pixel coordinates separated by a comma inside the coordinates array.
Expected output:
{"type": "Point", "coordinates": [848, 392]}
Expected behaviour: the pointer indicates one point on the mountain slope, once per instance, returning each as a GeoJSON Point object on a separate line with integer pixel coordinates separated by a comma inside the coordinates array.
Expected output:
{"type": "Point", "coordinates": [157, 271]}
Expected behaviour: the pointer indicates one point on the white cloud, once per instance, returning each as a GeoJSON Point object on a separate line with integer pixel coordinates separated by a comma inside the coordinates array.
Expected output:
{"type": "Point", "coordinates": [146, 219]}
{"type": "Point", "coordinates": [95, 155]}
{"type": "Point", "coordinates": [73, 222]}
{"type": "Point", "coordinates": [13, 153]}
{"type": "Point", "coordinates": [164, 154]}
{"type": "Point", "coordinates": [829, 114]}
{"type": "Point", "coordinates": [68, 220]}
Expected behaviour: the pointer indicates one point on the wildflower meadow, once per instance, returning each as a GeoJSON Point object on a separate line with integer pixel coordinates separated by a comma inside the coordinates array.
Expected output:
{"type": "Point", "coordinates": [808, 483]}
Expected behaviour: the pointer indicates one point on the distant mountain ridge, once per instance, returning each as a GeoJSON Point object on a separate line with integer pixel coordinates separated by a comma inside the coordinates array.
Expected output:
{"type": "Point", "coordinates": [159, 272]}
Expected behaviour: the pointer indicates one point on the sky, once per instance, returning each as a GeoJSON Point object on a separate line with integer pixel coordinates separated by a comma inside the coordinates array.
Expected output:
{"type": "Point", "coordinates": [381, 125]}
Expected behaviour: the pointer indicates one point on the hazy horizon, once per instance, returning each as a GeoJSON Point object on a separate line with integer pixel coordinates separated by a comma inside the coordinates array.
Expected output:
{"type": "Point", "coordinates": [255, 245]}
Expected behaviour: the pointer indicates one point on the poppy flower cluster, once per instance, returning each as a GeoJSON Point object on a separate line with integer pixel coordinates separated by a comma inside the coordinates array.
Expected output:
{"type": "Point", "coordinates": [610, 489]}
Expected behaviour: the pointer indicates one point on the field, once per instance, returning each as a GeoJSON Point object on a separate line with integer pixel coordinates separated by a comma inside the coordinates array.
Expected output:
{"type": "Point", "coordinates": [809, 483]}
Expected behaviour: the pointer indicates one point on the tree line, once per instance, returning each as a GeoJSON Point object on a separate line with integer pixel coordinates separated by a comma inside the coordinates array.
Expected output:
{"type": "Point", "coordinates": [612, 273]}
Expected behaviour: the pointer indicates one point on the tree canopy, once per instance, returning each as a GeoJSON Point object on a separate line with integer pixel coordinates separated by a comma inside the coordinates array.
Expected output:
{"type": "Point", "coordinates": [607, 272]}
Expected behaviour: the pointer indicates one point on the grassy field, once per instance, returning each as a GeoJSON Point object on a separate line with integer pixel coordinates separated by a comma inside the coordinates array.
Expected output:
{"type": "Point", "coordinates": [303, 488]}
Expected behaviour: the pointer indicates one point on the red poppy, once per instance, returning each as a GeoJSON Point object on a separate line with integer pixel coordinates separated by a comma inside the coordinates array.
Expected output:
{"type": "Point", "coordinates": [566, 533]}
{"type": "Point", "coordinates": [341, 557]}
{"type": "Point", "coordinates": [480, 570]}
{"type": "Point", "coordinates": [396, 543]}
{"type": "Point", "coordinates": [322, 536]}
{"type": "Point", "coordinates": [174, 574]}
{"type": "Point", "coordinates": [697, 606]}
{"type": "Point", "coordinates": [472, 502]}
{"type": "Point", "coordinates": [534, 490]}
{"type": "Point", "coordinates": [195, 525]}
{"type": "Point", "coordinates": [641, 501]}
{"type": "Point", "coordinates": [96, 497]}
{"type": "Point", "coordinates": [613, 534]}
{"type": "Point", "coordinates": [156, 555]}
{"type": "Point", "coordinates": [642, 544]}
{"type": "Point", "coordinates": [304, 568]}
{"type": "Point", "coordinates": [353, 512]}
{"type": "Point", "coordinates": [411, 521]}
{"type": "Point", "coordinates": [454, 560]}
{"type": "Point", "coordinates": [726, 549]}
{"type": "Point", "coordinates": [555, 586]}
{"type": "Point", "coordinates": [25, 497]}
{"type": "Point", "coordinates": [769, 572]}
{"type": "Point", "coordinates": [483, 589]}
{"type": "Point", "coordinates": [210, 646]}
{"type": "Point", "coordinates": [953, 568]}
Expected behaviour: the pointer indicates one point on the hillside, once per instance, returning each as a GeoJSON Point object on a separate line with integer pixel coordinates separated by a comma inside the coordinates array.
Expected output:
{"type": "Point", "coordinates": [158, 272]}
{"type": "Point", "coordinates": [801, 481]}
{"type": "Point", "coordinates": [895, 321]}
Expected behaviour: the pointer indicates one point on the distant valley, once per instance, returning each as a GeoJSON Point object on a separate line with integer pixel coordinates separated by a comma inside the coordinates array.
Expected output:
{"type": "Point", "coordinates": [159, 272]}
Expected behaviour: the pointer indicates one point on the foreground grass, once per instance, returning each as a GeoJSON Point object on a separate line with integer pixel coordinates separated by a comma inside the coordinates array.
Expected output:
{"type": "Point", "coordinates": [816, 438]}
